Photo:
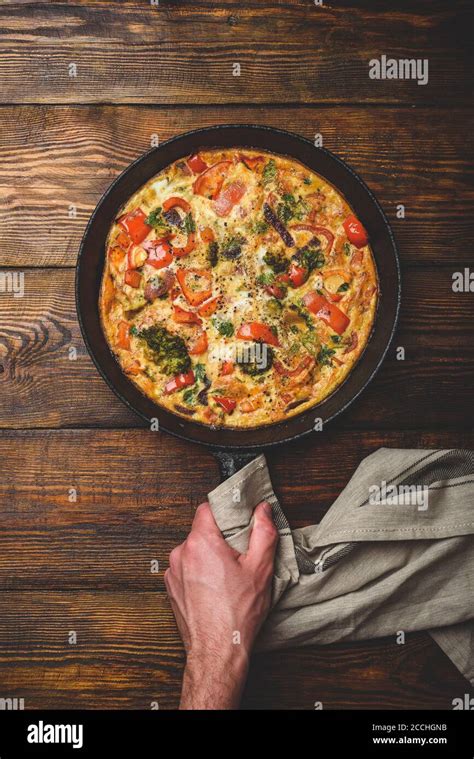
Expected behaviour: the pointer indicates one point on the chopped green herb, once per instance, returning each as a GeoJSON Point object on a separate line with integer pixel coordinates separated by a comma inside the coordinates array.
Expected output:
{"type": "Point", "coordinates": [156, 220]}
{"type": "Point", "coordinates": [260, 227]}
{"type": "Point", "coordinates": [199, 372]}
{"type": "Point", "coordinates": [325, 354]}
{"type": "Point", "coordinates": [224, 328]}
{"type": "Point", "coordinates": [189, 225]}
{"type": "Point", "coordinates": [307, 180]}
{"type": "Point", "coordinates": [346, 248]}
{"type": "Point", "coordinates": [269, 172]}
{"type": "Point", "coordinates": [343, 288]}
{"type": "Point", "coordinates": [310, 341]}
{"type": "Point", "coordinates": [189, 396]}
{"type": "Point", "coordinates": [133, 330]}
{"type": "Point", "coordinates": [294, 349]}
{"type": "Point", "coordinates": [336, 338]}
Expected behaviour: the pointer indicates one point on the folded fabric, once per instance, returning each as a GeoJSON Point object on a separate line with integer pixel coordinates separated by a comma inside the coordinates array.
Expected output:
{"type": "Point", "coordinates": [394, 553]}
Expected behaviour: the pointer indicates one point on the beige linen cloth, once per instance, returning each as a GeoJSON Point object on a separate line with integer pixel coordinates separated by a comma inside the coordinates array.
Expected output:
{"type": "Point", "coordinates": [371, 567]}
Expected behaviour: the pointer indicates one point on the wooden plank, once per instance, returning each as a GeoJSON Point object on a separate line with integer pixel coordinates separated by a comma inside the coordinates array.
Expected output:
{"type": "Point", "coordinates": [55, 162]}
{"type": "Point", "coordinates": [128, 655]}
{"type": "Point", "coordinates": [128, 651]}
{"type": "Point", "coordinates": [185, 53]}
{"type": "Point", "coordinates": [42, 387]}
{"type": "Point", "coordinates": [94, 508]}
{"type": "Point", "coordinates": [40, 382]}
{"type": "Point", "coordinates": [376, 674]}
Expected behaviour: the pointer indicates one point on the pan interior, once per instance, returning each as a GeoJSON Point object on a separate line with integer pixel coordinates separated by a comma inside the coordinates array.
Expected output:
{"type": "Point", "coordinates": [91, 260]}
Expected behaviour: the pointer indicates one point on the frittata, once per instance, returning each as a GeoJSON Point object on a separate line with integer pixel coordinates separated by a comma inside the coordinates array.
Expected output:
{"type": "Point", "coordinates": [239, 288]}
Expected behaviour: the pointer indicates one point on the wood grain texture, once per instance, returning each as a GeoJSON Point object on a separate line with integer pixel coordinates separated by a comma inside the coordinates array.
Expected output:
{"type": "Point", "coordinates": [128, 655]}
{"type": "Point", "coordinates": [133, 506]}
{"type": "Point", "coordinates": [184, 53]}
{"type": "Point", "coordinates": [41, 387]}
{"type": "Point", "coordinates": [53, 158]}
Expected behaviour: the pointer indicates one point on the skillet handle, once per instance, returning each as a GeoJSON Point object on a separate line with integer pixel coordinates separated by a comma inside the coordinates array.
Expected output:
{"type": "Point", "coordinates": [230, 463]}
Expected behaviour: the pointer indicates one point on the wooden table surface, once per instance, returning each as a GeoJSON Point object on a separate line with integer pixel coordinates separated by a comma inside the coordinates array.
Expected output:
{"type": "Point", "coordinates": [83, 563]}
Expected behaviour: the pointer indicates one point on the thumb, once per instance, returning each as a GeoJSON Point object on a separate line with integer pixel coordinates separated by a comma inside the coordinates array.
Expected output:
{"type": "Point", "coordinates": [263, 538]}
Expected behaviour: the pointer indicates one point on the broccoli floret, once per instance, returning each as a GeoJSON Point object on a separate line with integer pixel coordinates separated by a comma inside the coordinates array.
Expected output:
{"type": "Point", "coordinates": [253, 364]}
{"type": "Point", "coordinates": [292, 208]}
{"type": "Point", "coordinates": [276, 261]}
{"type": "Point", "coordinates": [168, 351]}
{"type": "Point", "coordinates": [303, 313]}
{"type": "Point", "coordinates": [265, 278]}
{"type": "Point", "coordinates": [311, 256]}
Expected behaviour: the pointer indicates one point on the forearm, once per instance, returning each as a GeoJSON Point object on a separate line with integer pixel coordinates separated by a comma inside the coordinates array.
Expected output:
{"type": "Point", "coordinates": [214, 682]}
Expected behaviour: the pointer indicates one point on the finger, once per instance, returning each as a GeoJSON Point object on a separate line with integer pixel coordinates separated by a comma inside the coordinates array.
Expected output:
{"type": "Point", "coordinates": [166, 579]}
{"type": "Point", "coordinates": [174, 560]}
{"type": "Point", "coordinates": [264, 536]}
{"type": "Point", "coordinates": [204, 520]}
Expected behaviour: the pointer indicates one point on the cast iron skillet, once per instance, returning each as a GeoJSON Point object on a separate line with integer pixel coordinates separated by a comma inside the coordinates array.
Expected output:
{"type": "Point", "coordinates": [234, 447]}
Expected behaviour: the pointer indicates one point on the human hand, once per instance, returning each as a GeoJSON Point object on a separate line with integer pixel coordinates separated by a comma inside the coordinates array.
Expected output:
{"type": "Point", "coordinates": [220, 599]}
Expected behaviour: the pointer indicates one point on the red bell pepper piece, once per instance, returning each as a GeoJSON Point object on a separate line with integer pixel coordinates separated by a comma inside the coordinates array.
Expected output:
{"type": "Point", "coordinates": [210, 181]}
{"type": "Point", "coordinates": [190, 245]}
{"type": "Point", "coordinates": [304, 364]}
{"type": "Point", "coordinates": [159, 253]}
{"type": "Point", "coordinates": [317, 230]}
{"type": "Point", "coordinates": [134, 224]}
{"type": "Point", "coordinates": [196, 164]}
{"type": "Point", "coordinates": [207, 309]}
{"type": "Point", "coordinates": [228, 404]}
{"type": "Point", "coordinates": [199, 345]}
{"type": "Point", "coordinates": [328, 312]}
{"type": "Point", "coordinates": [356, 233]}
{"type": "Point", "coordinates": [133, 278]}
{"type": "Point", "coordinates": [228, 197]}
{"type": "Point", "coordinates": [116, 256]}
{"type": "Point", "coordinates": [123, 336]}
{"type": "Point", "coordinates": [185, 317]}
{"type": "Point", "coordinates": [176, 202]}
{"type": "Point", "coordinates": [257, 331]}
{"type": "Point", "coordinates": [180, 381]}
{"type": "Point", "coordinates": [123, 240]}
{"type": "Point", "coordinates": [297, 274]}
{"type": "Point", "coordinates": [226, 368]}
{"type": "Point", "coordinates": [136, 257]}
{"type": "Point", "coordinates": [207, 235]}
{"type": "Point", "coordinates": [251, 161]}
{"type": "Point", "coordinates": [196, 285]}
{"type": "Point", "coordinates": [277, 291]}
